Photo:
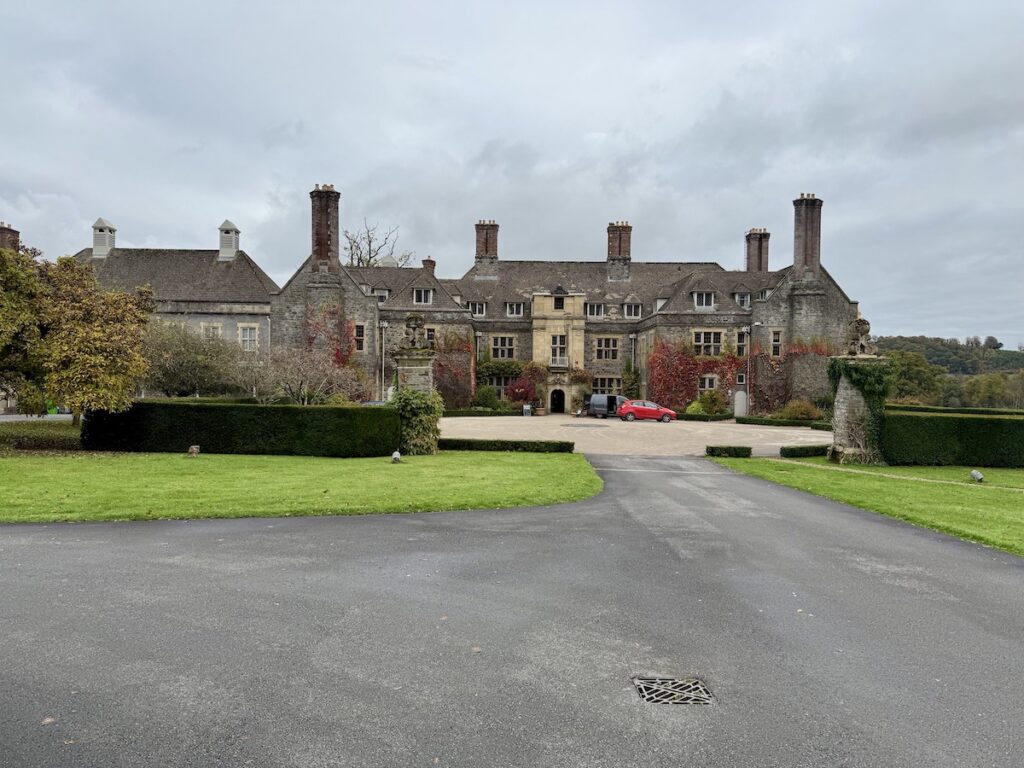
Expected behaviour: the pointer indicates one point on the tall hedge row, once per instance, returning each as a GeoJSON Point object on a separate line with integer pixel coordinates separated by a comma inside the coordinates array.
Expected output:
{"type": "Point", "coordinates": [941, 409]}
{"type": "Point", "coordinates": [962, 439]}
{"type": "Point", "coordinates": [173, 426]}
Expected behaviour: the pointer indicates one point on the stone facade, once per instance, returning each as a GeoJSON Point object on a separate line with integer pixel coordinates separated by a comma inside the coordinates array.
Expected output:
{"type": "Point", "coordinates": [593, 315]}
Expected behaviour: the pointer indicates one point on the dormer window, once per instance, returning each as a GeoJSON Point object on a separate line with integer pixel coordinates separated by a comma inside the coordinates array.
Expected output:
{"type": "Point", "coordinates": [514, 309]}
{"type": "Point", "coordinates": [763, 294]}
{"type": "Point", "coordinates": [382, 295]}
{"type": "Point", "coordinates": [742, 299]}
{"type": "Point", "coordinates": [595, 310]}
{"type": "Point", "coordinates": [477, 308]}
{"type": "Point", "coordinates": [632, 311]}
{"type": "Point", "coordinates": [704, 300]}
{"type": "Point", "coordinates": [366, 289]}
{"type": "Point", "coordinates": [422, 295]}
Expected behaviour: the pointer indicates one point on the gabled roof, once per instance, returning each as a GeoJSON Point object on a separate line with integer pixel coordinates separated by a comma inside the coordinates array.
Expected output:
{"type": "Point", "coordinates": [518, 280]}
{"type": "Point", "coordinates": [723, 284]}
{"type": "Point", "coordinates": [415, 277]}
{"type": "Point", "coordinates": [183, 275]}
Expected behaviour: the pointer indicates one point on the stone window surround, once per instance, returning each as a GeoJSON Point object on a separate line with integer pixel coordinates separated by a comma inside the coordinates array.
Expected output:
{"type": "Point", "coordinates": [477, 308]}
{"type": "Point", "coordinates": [359, 337]}
{"type": "Point", "coordinates": [593, 310]}
{"type": "Point", "coordinates": [606, 348]}
{"type": "Point", "coordinates": [430, 334]}
{"type": "Point", "coordinates": [256, 339]}
{"type": "Point", "coordinates": [512, 306]}
{"type": "Point", "coordinates": [205, 328]}
{"type": "Point", "coordinates": [382, 295]}
{"type": "Point", "coordinates": [704, 299]}
{"type": "Point", "coordinates": [632, 311]}
{"type": "Point", "coordinates": [741, 379]}
{"type": "Point", "coordinates": [707, 382]}
{"type": "Point", "coordinates": [742, 341]}
{"type": "Point", "coordinates": [775, 334]}
{"type": "Point", "coordinates": [742, 299]}
{"type": "Point", "coordinates": [707, 341]}
{"type": "Point", "coordinates": [423, 296]}
{"type": "Point", "coordinates": [503, 347]}
{"type": "Point", "coordinates": [606, 385]}
{"type": "Point", "coordinates": [558, 303]}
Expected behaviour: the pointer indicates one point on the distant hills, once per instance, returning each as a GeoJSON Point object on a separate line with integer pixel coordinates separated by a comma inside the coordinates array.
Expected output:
{"type": "Point", "coordinates": [972, 356]}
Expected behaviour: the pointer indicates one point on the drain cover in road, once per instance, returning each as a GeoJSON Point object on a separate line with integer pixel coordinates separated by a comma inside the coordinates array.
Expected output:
{"type": "Point", "coordinates": [672, 690]}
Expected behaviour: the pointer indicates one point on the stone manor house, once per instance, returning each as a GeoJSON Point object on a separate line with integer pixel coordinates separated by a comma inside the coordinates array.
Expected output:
{"type": "Point", "coordinates": [594, 315]}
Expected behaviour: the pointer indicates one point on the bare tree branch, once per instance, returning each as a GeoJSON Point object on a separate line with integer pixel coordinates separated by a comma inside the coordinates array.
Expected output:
{"type": "Point", "coordinates": [369, 246]}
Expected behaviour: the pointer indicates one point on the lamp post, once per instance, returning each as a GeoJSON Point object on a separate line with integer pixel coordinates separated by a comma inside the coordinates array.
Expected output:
{"type": "Point", "coordinates": [383, 331]}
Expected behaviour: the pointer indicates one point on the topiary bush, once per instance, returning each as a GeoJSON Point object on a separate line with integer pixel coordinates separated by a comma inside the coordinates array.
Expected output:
{"type": "Point", "coordinates": [419, 413]}
{"type": "Point", "coordinates": [695, 409]}
{"type": "Point", "coordinates": [288, 430]}
{"type": "Point", "coordinates": [729, 451]}
{"type": "Point", "coordinates": [802, 451]}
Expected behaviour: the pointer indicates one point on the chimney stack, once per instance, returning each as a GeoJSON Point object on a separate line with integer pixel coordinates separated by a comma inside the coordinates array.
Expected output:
{"type": "Point", "coordinates": [620, 236]}
{"type": "Point", "coordinates": [807, 235]}
{"type": "Point", "coordinates": [757, 249]}
{"type": "Point", "coordinates": [103, 233]}
{"type": "Point", "coordinates": [228, 241]}
{"type": "Point", "coordinates": [10, 238]}
{"type": "Point", "coordinates": [486, 240]}
{"type": "Point", "coordinates": [325, 203]}
{"type": "Point", "coordinates": [429, 264]}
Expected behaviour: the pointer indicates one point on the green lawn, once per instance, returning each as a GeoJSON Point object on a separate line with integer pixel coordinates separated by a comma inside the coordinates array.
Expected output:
{"type": "Point", "coordinates": [44, 487]}
{"type": "Point", "coordinates": [991, 513]}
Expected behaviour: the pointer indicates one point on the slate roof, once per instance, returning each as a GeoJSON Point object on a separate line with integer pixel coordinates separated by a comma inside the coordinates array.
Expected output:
{"type": "Point", "coordinates": [674, 281]}
{"type": "Point", "coordinates": [183, 275]}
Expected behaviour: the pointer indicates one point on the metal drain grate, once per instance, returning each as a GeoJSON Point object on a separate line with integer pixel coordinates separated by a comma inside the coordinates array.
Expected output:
{"type": "Point", "coordinates": [671, 690]}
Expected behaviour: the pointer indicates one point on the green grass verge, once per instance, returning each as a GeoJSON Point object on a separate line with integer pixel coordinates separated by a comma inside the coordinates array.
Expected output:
{"type": "Point", "coordinates": [36, 488]}
{"type": "Point", "coordinates": [990, 513]}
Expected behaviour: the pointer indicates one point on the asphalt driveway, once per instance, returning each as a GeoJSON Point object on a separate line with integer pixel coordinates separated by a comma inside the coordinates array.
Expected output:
{"type": "Point", "coordinates": [639, 438]}
{"type": "Point", "coordinates": [830, 636]}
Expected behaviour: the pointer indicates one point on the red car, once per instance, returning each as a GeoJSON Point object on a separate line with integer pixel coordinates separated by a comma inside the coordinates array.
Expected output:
{"type": "Point", "coordinates": [631, 410]}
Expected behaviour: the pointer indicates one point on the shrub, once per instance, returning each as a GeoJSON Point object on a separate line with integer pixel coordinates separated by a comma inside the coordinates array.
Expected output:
{"type": "Point", "coordinates": [713, 401]}
{"type": "Point", "coordinates": [799, 410]}
{"type": "Point", "coordinates": [535, 373]}
{"type": "Point", "coordinates": [766, 421]}
{"type": "Point", "coordinates": [419, 413]}
{"type": "Point", "coordinates": [695, 408]}
{"type": "Point", "coordinates": [729, 451]}
{"type": "Point", "coordinates": [801, 451]}
{"type": "Point", "coordinates": [487, 397]}
{"type": "Point", "coordinates": [704, 416]}
{"type": "Point", "coordinates": [39, 436]}
{"type": "Point", "coordinates": [482, 412]}
{"type": "Point", "coordinates": [959, 439]}
{"type": "Point", "coordinates": [172, 426]}
{"type": "Point", "coordinates": [521, 390]}
{"type": "Point", "coordinates": [531, 446]}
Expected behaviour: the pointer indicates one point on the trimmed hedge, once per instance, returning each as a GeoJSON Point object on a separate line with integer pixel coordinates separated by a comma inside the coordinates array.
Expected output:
{"type": "Point", "coordinates": [768, 422]}
{"type": "Point", "coordinates": [290, 430]}
{"type": "Point", "coordinates": [957, 439]}
{"type": "Point", "coordinates": [39, 435]}
{"type": "Point", "coordinates": [939, 409]}
{"type": "Point", "coordinates": [482, 412]}
{"type": "Point", "coordinates": [802, 451]}
{"type": "Point", "coordinates": [729, 451]}
{"type": "Point", "coordinates": [527, 446]}
{"type": "Point", "coordinates": [704, 416]}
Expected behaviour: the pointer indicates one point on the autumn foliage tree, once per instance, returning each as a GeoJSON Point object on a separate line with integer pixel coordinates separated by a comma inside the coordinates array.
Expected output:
{"type": "Point", "coordinates": [91, 339]}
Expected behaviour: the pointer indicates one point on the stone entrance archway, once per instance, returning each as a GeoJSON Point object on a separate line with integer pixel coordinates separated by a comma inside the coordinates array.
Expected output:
{"type": "Point", "coordinates": [557, 401]}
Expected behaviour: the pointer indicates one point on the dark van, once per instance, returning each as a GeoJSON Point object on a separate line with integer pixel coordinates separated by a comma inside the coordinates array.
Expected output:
{"type": "Point", "coordinates": [604, 406]}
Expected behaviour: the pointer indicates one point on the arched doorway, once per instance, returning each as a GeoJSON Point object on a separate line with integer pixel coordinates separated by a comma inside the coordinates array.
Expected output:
{"type": "Point", "coordinates": [557, 401]}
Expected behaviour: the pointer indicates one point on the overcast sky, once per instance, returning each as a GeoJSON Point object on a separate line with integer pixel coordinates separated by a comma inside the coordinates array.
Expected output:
{"type": "Point", "coordinates": [693, 120]}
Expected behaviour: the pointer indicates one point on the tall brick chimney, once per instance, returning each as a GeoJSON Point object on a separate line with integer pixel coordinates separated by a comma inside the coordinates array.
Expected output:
{"type": "Point", "coordinates": [620, 236]}
{"type": "Point", "coordinates": [103, 234]}
{"type": "Point", "coordinates": [807, 235]}
{"type": "Point", "coordinates": [325, 203]}
{"type": "Point", "coordinates": [10, 238]}
{"type": "Point", "coordinates": [486, 240]}
{"type": "Point", "coordinates": [757, 249]}
{"type": "Point", "coordinates": [429, 264]}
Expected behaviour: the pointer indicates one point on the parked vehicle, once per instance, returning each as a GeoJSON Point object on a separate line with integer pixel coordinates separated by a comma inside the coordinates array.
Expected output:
{"type": "Point", "coordinates": [632, 410]}
{"type": "Point", "coordinates": [603, 406]}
